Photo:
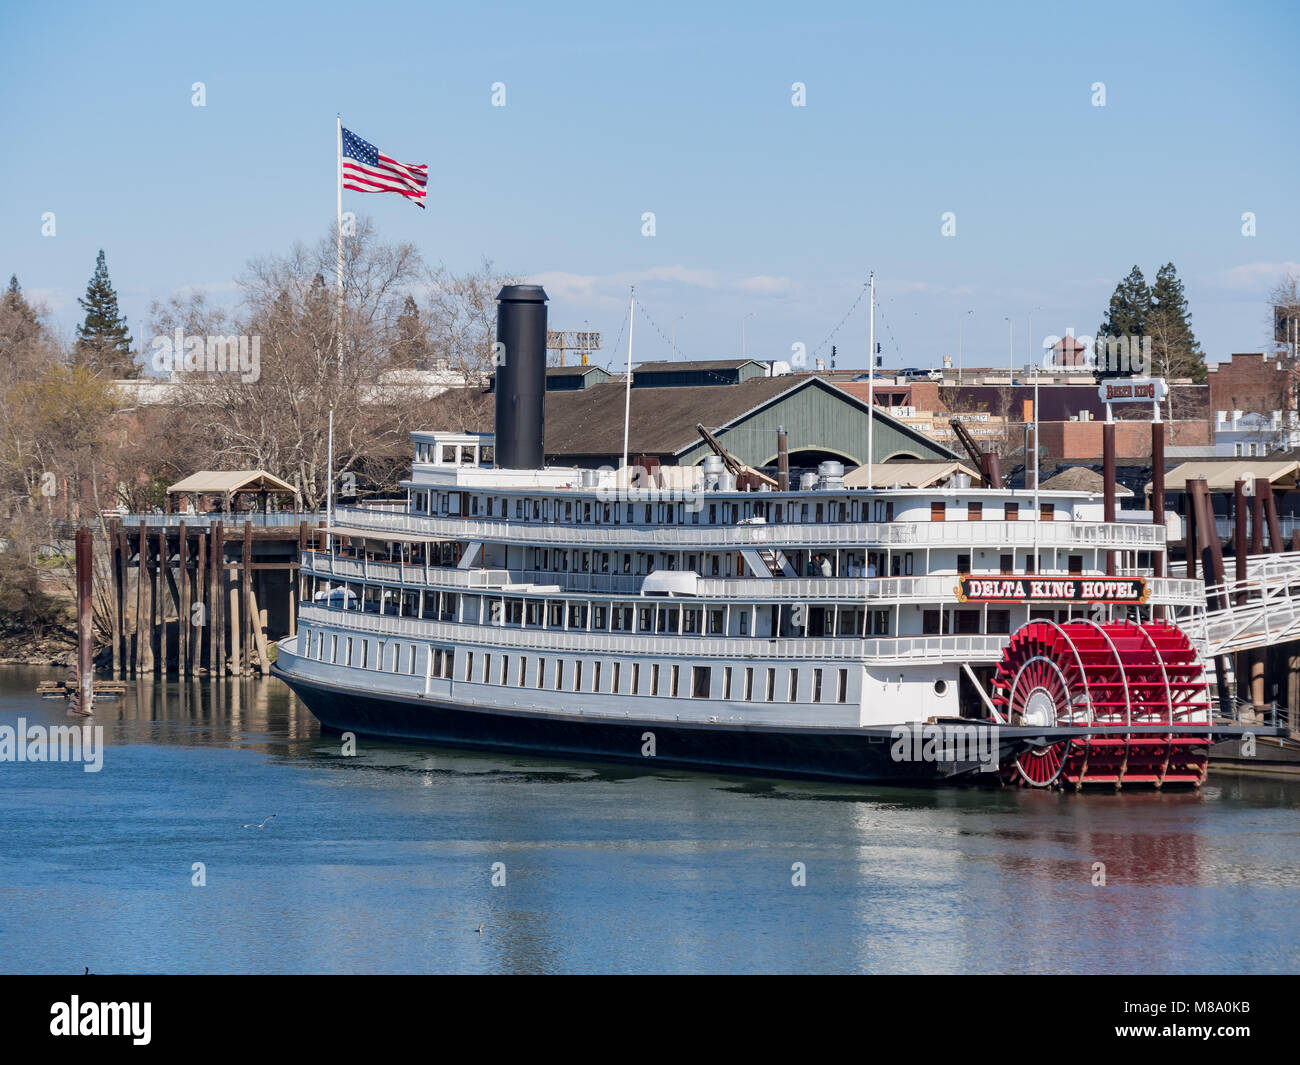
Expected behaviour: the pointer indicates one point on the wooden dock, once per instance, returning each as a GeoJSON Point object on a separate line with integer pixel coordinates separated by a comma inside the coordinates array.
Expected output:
{"type": "Point", "coordinates": [189, 597]}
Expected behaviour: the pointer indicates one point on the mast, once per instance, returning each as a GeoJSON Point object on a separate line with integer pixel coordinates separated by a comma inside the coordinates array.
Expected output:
{"type": "Point", "coordinates": [871, 380]}
{"type": "Point", "coordinates": [627, 393]}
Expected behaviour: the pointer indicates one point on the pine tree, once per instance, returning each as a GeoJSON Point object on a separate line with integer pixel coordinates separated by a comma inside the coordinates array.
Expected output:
{"type": "Point", "coordinates": [1130, 306]}
{"type": "Point", "coordinates": [409, 342]}
{"type": "Point", "coordinates": [103, 343]}
{"type": "Point", "coordinates": [1175, 351]}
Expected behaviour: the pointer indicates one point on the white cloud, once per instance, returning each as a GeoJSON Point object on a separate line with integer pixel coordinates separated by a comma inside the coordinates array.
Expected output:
{"type": "Point", "coordinates": [766, 285]}
{"type": "Point", "coordinates": [1255, 275]}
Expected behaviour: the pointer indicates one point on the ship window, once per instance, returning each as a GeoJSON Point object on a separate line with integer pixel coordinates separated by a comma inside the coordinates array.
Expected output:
{"type": "Point", "coordinates": [726, 682]}
{"type": "Point", "coordinates": [817, 686]}
{"type": "Point", "coordinates": [879, 623]}
{"type": "Point", "coordinates": [701, 678]}
{"type": "Point", "coordinates": [523, 670]}
{"type": "Point", "coordinates": [598, 618]}
{"type": "Point", "coordinates": [519, 508]}
{"type": "Point", "coordinates": [555, 615]}
{"type": "Point", "coordinates": [654, 679]}
{"type": "Point", "coordinates": [449, 453]}
{"type": "Point", "coordinates": [1006, 563]}
{"type": "Point", "coordinates": [577, 676]}
{"type": "Point", "coordinates": [794, 685]}
{"type": "Point", "coordinates": [930, 623]}
{"type": "Point", "coordinates": [541, 672]}
{"type": "Point", "coordinates": [334, 648]}
{"type": "Point", "coordinates": [1013, 512]}
{"type": "Point", "coordinates": [505, 669]}
{"type": "Point", "coordinates": [842, 686]}
{"type": "Point", "coordinates": [974, 511]}
{"type": "Point", "coordinates": [636, 678]}
{"type": "Point", "coordinates": [559, 674]}
{"type": "Point", "coordinates": [618, 670]}
{"type": "Point", "coordinates": [469, 665]}
{"type": "Point", "coordinates": [771, 684]}
{"type": "Point", "coordinates": [907, 562]}
{"type": "Point", "coordinates": [487, 668]}
{"type": "Point", "coordinates": [968, 622]}
{"type": "Point", "coordinates": [963, 563]}
{"type": "Point", "coordinates": [715, 622]}
{"type": "Point", "coordinates": [595, 677]}
{"type": "Point", "coordinates": [1047, 512]}
{"type": "Point", "coordinates": [448, 659]}
{"type": "Point", "coordinates": [749, 683]}
{"type": "Point", "coordinates": [744, 623]}
{"type": "Point", "coordinates": [675, 676]}
{"type": "Point", "coordinates": [999, 621]}
{"type": "Point", "coordinates": [937, 511]}
{"type": "Point", "coordinates": [1076, 564]}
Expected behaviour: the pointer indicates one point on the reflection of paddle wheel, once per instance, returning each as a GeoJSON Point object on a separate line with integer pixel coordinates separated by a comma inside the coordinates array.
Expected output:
{"type": "Point", "coordinates": [1106, 676]}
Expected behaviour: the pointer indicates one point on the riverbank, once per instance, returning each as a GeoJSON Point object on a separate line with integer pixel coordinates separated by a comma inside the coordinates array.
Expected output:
{"type": "Point", "coordinates": [19, 646]}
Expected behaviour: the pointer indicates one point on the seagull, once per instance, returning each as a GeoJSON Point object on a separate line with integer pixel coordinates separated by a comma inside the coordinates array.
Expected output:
{"type": "Point", "coordinates": [480, 929]}
{"type": "Point", "coordinates": [262, 825]}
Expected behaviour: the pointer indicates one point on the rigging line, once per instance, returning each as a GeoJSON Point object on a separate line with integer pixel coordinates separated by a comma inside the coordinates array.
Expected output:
{"type": "Point", "coordinates": [885, 321]}
{"type": "Point", "coordinates": [650, 318]}
{"type": "Point", "coordinates": [846, 317]}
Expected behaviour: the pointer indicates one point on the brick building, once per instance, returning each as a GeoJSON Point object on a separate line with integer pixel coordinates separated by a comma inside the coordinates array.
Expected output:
{"type": "Point", "coordinates": [1252, 382]}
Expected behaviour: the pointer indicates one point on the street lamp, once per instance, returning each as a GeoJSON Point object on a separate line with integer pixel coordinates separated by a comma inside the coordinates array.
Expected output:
{"type": "Point", "coordinates": [961, 320]}
{"type": "Point", "coordinates": [675, 321]}
{"type": "Point", "coordinates": [1011, 348]}
{"type": "Point", "coordinates": [1029, 340]}
{"type": "Point", "coordinates": [742, 333]}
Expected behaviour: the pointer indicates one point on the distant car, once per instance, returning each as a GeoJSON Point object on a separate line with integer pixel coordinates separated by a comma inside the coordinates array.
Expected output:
{"type": "Point", "coordinates": [915, 373]}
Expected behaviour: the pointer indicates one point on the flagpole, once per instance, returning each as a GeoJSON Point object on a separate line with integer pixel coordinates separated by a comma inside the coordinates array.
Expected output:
{"type": "Point", "coordinates": [627, 392]}
{"type": "Point", "coordinates": [338, 231]}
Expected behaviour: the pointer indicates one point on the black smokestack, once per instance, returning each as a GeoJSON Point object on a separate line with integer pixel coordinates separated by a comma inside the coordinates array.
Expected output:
{"type": "Point", "coordinates": [520, 377]}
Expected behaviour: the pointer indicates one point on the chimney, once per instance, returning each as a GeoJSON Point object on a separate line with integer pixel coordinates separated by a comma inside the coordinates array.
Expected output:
{"type": "Point", "coordinates": [520, 377]}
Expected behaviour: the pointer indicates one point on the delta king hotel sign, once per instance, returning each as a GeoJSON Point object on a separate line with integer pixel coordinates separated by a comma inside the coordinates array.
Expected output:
{"type": "Point", "coordinates": [1052, 590]}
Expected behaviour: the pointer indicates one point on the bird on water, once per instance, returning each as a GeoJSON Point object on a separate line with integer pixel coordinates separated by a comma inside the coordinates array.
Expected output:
{"type": "Point", "coordinates": [262, 825]}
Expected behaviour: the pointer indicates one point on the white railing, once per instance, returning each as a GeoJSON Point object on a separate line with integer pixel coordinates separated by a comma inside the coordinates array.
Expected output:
{"type": "Point", "coordinates": [889, 650]}
{"type": "Point", "coordinates": [1047, 534]}
{"type": "Point", "coordinates": [929, 588]}
{"type": "Point", "coordinates": [257, 519]}
{"type": "Point", "coordinates": [1261, 610]}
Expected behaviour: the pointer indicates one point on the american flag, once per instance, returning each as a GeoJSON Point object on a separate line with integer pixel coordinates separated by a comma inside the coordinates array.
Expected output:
{"type": "Point", "coordinates": [367, 169]}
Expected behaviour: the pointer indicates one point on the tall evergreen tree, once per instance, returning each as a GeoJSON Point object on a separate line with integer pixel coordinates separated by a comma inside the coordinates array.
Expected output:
{"type": "Point", "coordinates": [409, 344]}
{"type": "Point", "coordinates": [103, 343]}
{"type": "Point", "coordinates": [1130, 305]}
{"type": "Point", "coordinates": [1175, 351]}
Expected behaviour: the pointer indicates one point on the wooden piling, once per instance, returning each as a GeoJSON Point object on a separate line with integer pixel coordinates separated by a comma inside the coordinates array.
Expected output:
{"type": "Point", "coordinates": [183, 604]}
{"type": "Point", "coordinates": [115, 596]}
{"type": "Point", "coordinates": [246, 597]}
{"type": "Point", "coordinates": [160, 584]}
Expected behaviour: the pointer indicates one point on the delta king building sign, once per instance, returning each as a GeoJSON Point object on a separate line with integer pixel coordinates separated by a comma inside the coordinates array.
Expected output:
{"type": "Point", "coordinates": [1127, 590]}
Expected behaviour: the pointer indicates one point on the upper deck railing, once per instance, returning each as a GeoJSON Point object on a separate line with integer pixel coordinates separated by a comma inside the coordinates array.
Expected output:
{"type": "Point", "coordinates": [1047, 534]}
{"type": "Point", "coordinates": [258, 519]}
{"type": "Point", "coordinates": [877, 590]}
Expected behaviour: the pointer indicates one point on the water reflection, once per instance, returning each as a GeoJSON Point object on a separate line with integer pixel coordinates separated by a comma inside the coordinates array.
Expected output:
{"type": "Point", "coordinates": [384, 861]}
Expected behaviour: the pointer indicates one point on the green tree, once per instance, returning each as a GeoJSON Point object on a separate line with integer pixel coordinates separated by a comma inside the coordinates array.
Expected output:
{"type": "Point", "coordinates": [103, 343]}
{"type": "Point", "coordinates": [1130, 306]}
{"type": "Point", "coordinates": [1174, 349]}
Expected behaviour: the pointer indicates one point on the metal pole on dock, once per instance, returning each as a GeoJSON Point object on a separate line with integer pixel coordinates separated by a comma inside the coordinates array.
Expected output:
{"type": "Point", "coordinates": [84, 701]}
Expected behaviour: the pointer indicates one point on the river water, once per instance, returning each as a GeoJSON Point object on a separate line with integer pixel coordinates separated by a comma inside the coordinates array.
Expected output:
{"type": "Point", "coordinates": [385, 861]}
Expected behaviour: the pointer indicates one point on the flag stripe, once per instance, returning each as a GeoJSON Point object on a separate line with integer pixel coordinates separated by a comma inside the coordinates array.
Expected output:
{"type": "Point", "coordinates": [369, 176]}
{"type": "Point", "coordinates": [382, 175]}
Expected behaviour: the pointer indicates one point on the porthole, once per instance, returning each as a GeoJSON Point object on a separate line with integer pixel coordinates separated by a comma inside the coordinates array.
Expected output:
{"type": "Point", "coordinates": [940, 687]}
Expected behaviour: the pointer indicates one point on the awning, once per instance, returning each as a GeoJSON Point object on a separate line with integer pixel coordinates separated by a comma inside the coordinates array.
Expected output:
{"type": "Point", "coordinates": [907, 474]}
{"type": "Point", "coordinates": [228, 482]}
{"type": "Point", "coordinates": [1222, 476]}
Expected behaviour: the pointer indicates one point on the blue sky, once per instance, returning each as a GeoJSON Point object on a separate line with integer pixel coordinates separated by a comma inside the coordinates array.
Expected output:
{"type": "Point", "coordinates": [683, 110]}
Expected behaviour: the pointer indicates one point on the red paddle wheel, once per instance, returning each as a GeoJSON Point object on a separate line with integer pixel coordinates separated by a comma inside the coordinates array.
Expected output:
{"type": "Point", "coordinates": [1106, 676]}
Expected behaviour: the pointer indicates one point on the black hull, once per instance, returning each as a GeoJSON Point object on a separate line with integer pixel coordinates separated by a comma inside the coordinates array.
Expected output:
{"type": "Point", "coordinates": [860, 756]}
